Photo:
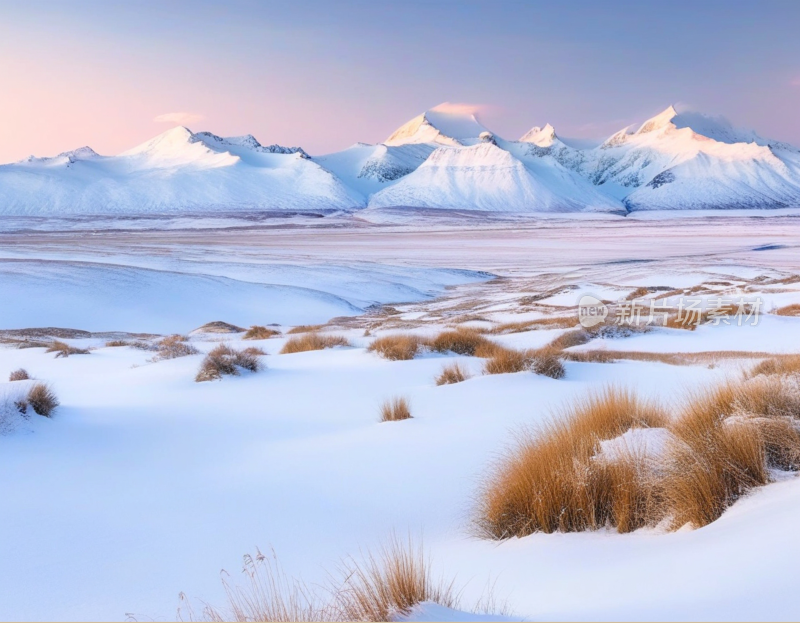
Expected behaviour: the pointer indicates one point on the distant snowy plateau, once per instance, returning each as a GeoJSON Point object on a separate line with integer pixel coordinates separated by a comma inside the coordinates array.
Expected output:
{"type": "Point", "coordinates": [439, 159]}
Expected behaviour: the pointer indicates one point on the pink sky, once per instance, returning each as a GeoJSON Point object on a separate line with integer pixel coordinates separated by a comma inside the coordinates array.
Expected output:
{"type": "Point", "coordinates": [112, 75]}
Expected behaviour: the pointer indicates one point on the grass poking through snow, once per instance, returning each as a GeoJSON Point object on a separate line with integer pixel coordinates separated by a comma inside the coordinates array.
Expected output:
{"type": "Point", "coordinates": [312, 341]}
{"type": "Point", "coordinates": [452, 373]}
{"type": "Point", "coordinates": [395, 409]}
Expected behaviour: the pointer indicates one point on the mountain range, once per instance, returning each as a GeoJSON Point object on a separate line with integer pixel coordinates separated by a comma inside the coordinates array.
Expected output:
{"type": "Point", "coordinates": [443, 159]}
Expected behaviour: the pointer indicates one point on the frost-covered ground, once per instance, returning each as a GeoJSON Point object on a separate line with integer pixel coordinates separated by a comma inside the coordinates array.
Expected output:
{"type": "Point", "coordinates": [145, 483]}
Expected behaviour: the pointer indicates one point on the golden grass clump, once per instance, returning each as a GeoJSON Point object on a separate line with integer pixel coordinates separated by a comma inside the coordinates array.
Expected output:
{"type": "Point", "coordinates": [725, 442]}
{"type": "Point", "coordinates": [507, 361]}
{"type": "Point", "coordinates": [257, 332]}
{"type": "Point", "coordinates": [19, 375]}
{"type": "Point", "coordinates": [62, 349]}
{"type": "Point", "coordinates": [383, 587]}
{"type": "Point", "coordinates": [462, 341]}
{"type": "Point", "coordinates": [304, 328]}
{"type": "Point", "coordinates": [42, 399]}
{"type": "Point", "coordinates": [452, 373]}
{"type": "Point", "coordinates": [116, 343]}
{"type": "Point", "coordinates": [267, 595]}
{"type": "Point", "coordinates": [378, 587]}
{"type": "Point", "coordinates": [172, 347]}
{"type": "Point", "coordinates": [787, 364]}
{"type": "Point", "coordinates": [224, 360]}
{"type": "Point", "coordinates": [312, 341]}
{"type": "Point", "coordinates": [395, 409]}
{"type": "Point", "coordinates": [552, 322]}
{"type": "Point", "coordinates": [551, 481]}
{"type": "Point", "coordinates": [789, 310]}
{"type": "Point", "coordinates": [397, 347]}
{"type": "Point", "coordinates": [547, 362]}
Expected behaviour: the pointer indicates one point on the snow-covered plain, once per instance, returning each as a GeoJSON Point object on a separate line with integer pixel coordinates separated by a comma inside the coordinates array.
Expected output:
{"type": "Point", "coordinates": [145, 483]}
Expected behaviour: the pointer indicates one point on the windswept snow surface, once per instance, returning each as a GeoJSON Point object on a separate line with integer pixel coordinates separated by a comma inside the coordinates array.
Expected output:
{"type": "Point", "coordinates": [145, 483]}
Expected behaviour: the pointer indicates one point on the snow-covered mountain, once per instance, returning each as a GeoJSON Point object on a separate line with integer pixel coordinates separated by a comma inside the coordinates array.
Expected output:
{"type": "Point", "coordinates": [176, 171]}
{"type": "Point", "coordinates": [443, 158]}
{"type": "Point", "coordinates": [443, 125]}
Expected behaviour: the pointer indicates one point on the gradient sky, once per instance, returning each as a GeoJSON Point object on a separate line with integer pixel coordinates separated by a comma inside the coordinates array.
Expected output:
{"type": "Point", "coordinates": [324, 75]}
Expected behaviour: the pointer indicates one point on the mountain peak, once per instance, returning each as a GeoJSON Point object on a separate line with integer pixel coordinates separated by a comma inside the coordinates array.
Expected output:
{"type": "Point", "coordinates": [541, 137]}
{"type": "Point", "coordinates": [661, 120]}
{"type": "Point", "coordinates": [446, 124]}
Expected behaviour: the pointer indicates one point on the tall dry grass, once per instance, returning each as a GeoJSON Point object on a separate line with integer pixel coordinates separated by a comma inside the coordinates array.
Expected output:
{"type": "Point", "coordinates": [462, 341]}
{"type": "Point", "coordinates": [725, 442]}
{"type": "Point", "coordinates": [224, 360]}
{"type": "Point", "coordinates": [257, 332]}
{"type": "Point", "coordinates": [789, 310]}
{"type": "Point", "coordinates": [507, 361]}
{"type": "Point", "coordinates": [312, 341]}
{"type": "Point", "coordinates": [19, 375]}
{"type": "Point", "coordinates": [378, 587]}
{"type": "Point", "coordinates": [389, 584]}
{"type": "Point", "coordinates": [452, 373]}
{"type": "Point", "coordinates": [42, 399]}
{"type": "Point", "coordinates": [787, 364]}
{"type": "Point", "coordinates": [395, 409]}
{"type": "Point", "coordinates": [398, 347]}
{"type": "Point", "coordinates": [173, 347]}
{"type": "Point", "coordinates": [550, 480]}
{"type": "Point", "coordinates": [62, 349]}
{"type": "Point", "coordinates": [268, 594]}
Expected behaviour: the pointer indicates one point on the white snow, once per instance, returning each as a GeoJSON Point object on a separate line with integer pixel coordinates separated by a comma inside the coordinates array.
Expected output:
{"type": "Point", "coordinates": [145, 483]}
{"type": "Point", "coordinates": [673, 161]}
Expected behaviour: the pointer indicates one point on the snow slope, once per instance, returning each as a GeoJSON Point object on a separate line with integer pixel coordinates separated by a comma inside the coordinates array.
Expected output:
{"type": "Point", "coordinates": [487, 177]}
{"type": "Point", "coordinates": [691, 161]}
{"type": "Point", "coordinates": [371, 168]}
{"type": "Point", "coordinates": [176, 171]}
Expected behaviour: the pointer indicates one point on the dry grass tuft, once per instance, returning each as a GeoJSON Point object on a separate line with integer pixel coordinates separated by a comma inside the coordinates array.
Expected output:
{"type": "Point", "coordinates": [453, 373]}
{"type": "Point", "coordinates": [172, 347]}
{"type": "Point", "coordinates": [42, 399]}
{"type": "Point", "coordinates": [789, 310]}
{"type": "Point", "coordinates": [116, 343]}
{"type": "Point", "coordinates": [570, 339]}
{"type": "Point", "coordinates": [380, 587]}
{"type": "Point", "coordinates": [268, 595]}
{"type": "Point", "coordinates": [462, 341]}
{"type": "Point", "coordinates": [726, 441]}
{"type": "Point", "coordinates": [255, 351]}
{"type": "Point", "coordinates": [395, 410]}
{"type": "Point", "coordinates": [553, 322]}
{"type": "Point", "coordinates": [257, 332]}
{"type": "Point", "coordinates": [389, 585]}
{"type": "Point", "coordinates": [397, 347]}
{"type": "Point", "coordinates": [551, 481]}
{"type": "Point", "coordinates": [224, 360]}
{"type": "Point", "coordinates": [548, 363]}
{"type": "Point", "coordinates": [312, 341]}
{"type": "Point", "coordinates": [304, 328]}
{"type": "Point", "coordinates": [19, 375]}
{"type": "Point", "coordinates": [788, 364]}
{"type": "Point", "coordinates": [507, 361]}
{"type": "Point", "coordinates": [62, 349]}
